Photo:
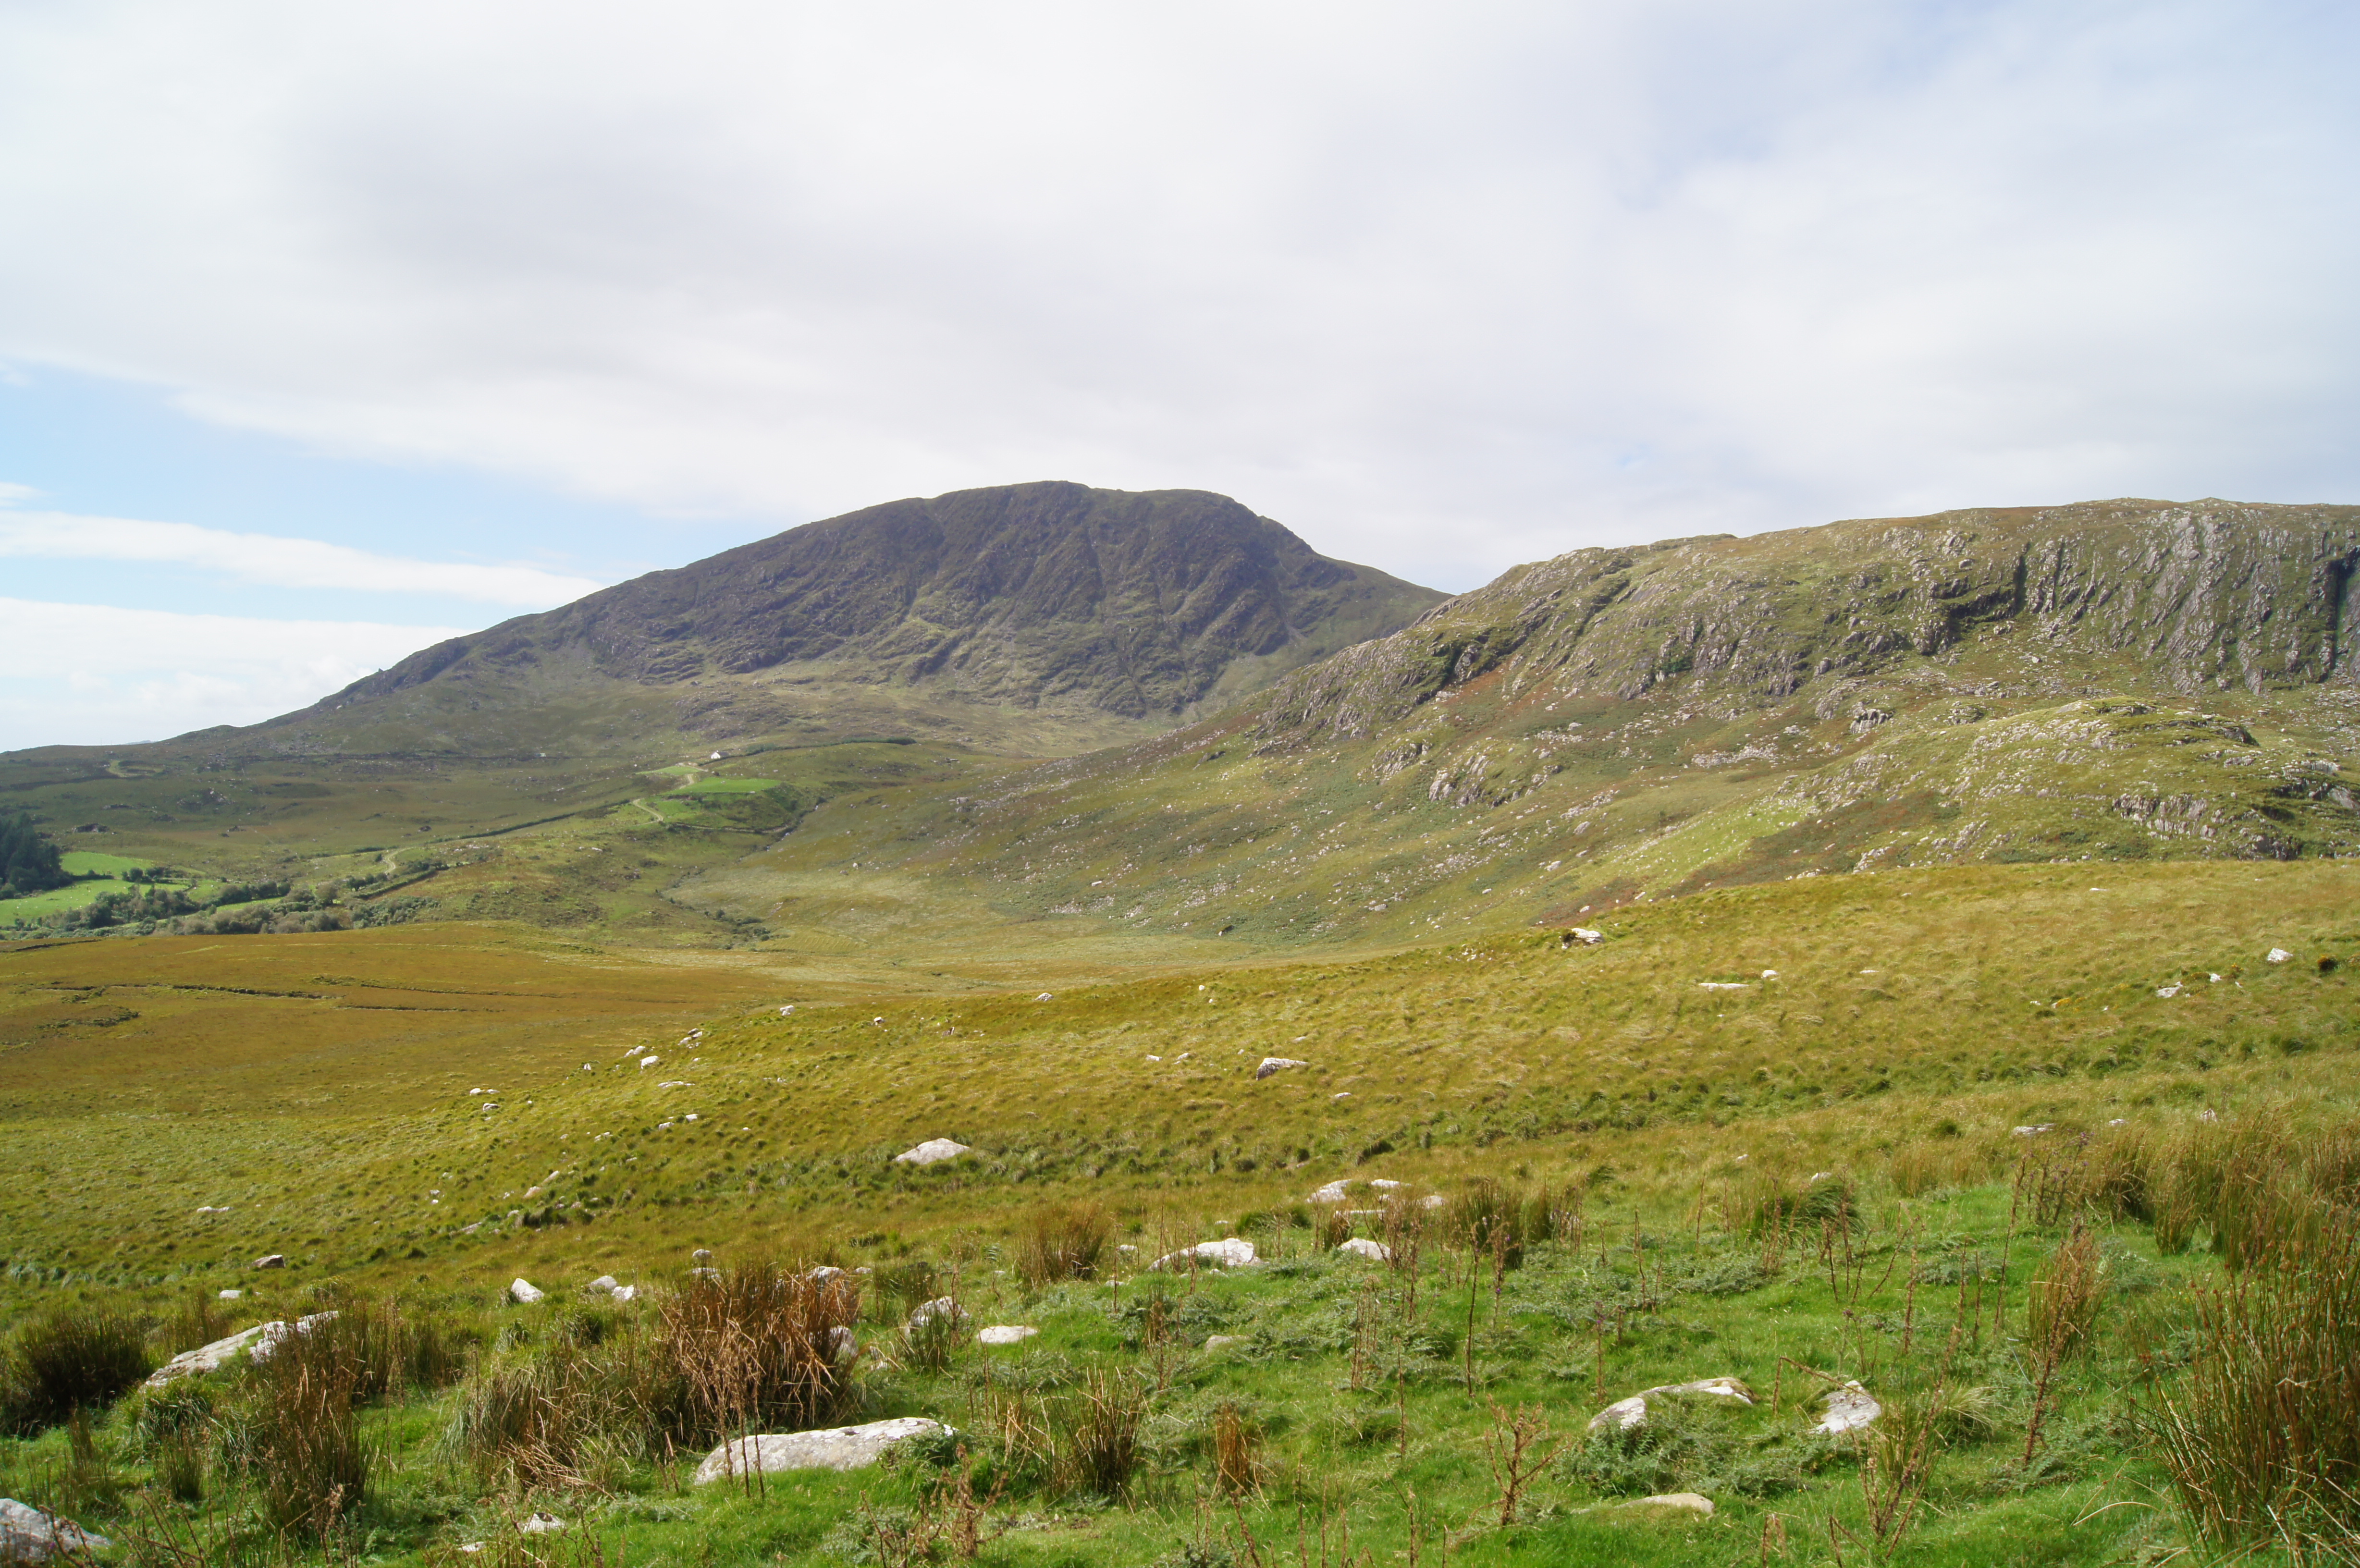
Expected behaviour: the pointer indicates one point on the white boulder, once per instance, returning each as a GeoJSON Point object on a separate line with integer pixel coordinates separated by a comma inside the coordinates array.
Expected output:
{"type": "Point", "coordinates": [1690, 1502]}
{"type": "Point", "coordinates": [834, 1448]}
{"type": "Point", "coordinates": [233, 1295]}
{"type": "Point", "coordinates": [271, 1260]}
{"type": "Point", "coordinates": [842, 1348]}
{"type": "Point", "coordinates": [1850, 1408]}
{"type": "Point", "coordinates": [625, 1292]}
{"type": "Point", "coordinates": [1624, 1414]}
{"type": "Point", "coordinates": [1361, 1247]}
{"type": "Point", "coordinates": [1006, 1333]}
{"type": "Point", "coordinates": [523, 1292]}
{"type": "Point", "coordinates": [1230, 1252]}
{"type": "Point", "coordinates": [1334, 1192]}
{"type": "Point", "coordinates": [931, 1152]}
{"type": "Point", "coordinates": [1585, 936]}
{"type": "Point", "coordinates": [945, 1308]}
{"type": "Point", "coordinates": [205, 1358]}
{"type": "Point", "coordinates": [28, 1534]}
{"type": "Point", "coordinates": [1223, 1341]}
{"type": "Point", "coordinates": [1271, 1065]}
{"type": "Point", "coordinates": [542, 1524]}
{"type": "Point", "coordinates": [274, 1335]}
{"type": "Point", "coordinates": [605, 1282]}
{"type": "Point", "coordinates": [2280, 956]}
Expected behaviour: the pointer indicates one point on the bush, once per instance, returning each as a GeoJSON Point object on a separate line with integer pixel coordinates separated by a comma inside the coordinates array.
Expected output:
{"type": "Point", "coordinates": [76, 1359]}
{"type": "Point", "coordinates": [1062, 1241]}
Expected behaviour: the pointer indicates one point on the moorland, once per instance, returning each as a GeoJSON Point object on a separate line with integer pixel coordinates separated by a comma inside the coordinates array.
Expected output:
{"type": "Point", "coordinates": [1912, 954]}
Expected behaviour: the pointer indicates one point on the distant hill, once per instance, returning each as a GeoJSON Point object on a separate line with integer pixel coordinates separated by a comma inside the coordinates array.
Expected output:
{"type": "Point", "coordinates": [1024, 621]}
{"type": "Point", "coordinates": [2124, 680]}
{"type": "Point", "coordinates": [1105, 609]}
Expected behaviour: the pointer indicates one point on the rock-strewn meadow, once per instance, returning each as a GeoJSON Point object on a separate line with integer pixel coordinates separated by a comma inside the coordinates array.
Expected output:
{"type": "Point", "coordinates": [2048, 1166]}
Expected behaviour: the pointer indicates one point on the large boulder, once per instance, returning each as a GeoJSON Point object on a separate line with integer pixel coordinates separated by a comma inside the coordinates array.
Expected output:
{"type": "Point", "coordinates": [942, 1308]}
{"type": "Point", "coordinates": [274, 1335]}
{"type": "Point", "coordinates": [931, 1152]}
{"type": "Point", "coordinates": [1006, 1333]}
{"type": "Point", "coordinates": [28, 1534]}
{"type": "Point", "coordinates": [1361, 1247]}
{"type": "Point", "coordinates": [205, 1358]}
{"type": "Point", "coordinates": [523, 1292]}
{"type": "Point", "coordinates": [835, 1448]}
{"type": "Point", "coordinates": [1334, 1192]}
{"type": "Point", "coordinates": [1624, 1414]}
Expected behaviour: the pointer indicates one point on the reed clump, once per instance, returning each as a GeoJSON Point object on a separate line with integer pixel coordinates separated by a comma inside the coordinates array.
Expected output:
{"type": "Point", "coordinates": [1064, 1241]}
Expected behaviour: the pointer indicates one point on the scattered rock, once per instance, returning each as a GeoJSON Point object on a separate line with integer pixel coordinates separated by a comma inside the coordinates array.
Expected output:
{"type": "Point", "coordinates": [271, 1260]}
{"type": "Point", "coordinates": [842, 1348]}
{"type": "Point", "coordinates": [1006, 1333]}
{"type": "Point", "coordinates": [1850, 1408]}
{"type": "Point", "coordinates": [1271, 1065]}
{"type": "Point", "coordinates": [834, 1448]}
{"type": "Point", "coordinates": [2167, 992]}
{"type": "Point", "coordinates": [522, 1292]}
{"type": "Point", "coordinates": [1692, 1502]}
{"type": "Point", "coordinates": [1230, 1252]}
{"type": "Point", "coordinates": [945, 1308]}
{"type": "Point", "coordinates": [1382, 1185]}
{"type": "Point", "coordinates": [28, 1534]}
{"type": "Point", "coordinates": [205, 1358]}
{"type": "Point", "coordinates": [1222, 1341]}
{"type": "Point", "coordinates": [702, 1255]}
{"type": "Point", "coordinates": [824, 1273]}
{"type": "Point", "coordinates": [605, 1282]}
{"type": "Point", "coordinates": [1624, 1414]}
{"type": "Point", "coordinates": [1361, 1247]}
{"type": "Point", "coordinates": [1585, 936]}
{"type": "Point", "coordinates": [2280, 956]}
{"type": "Point", "coordinates": [2034, 1131]}
{"type": "Point", "coordinates": [1046, 996]}
{"type": "Point", "coordinates": [1723, 985]}
{"type": "Point", "coordinates": [710, 1275]}
{"type": "Point", "coordinates": [1334, 1192]}
{"type": "Point", "coordinates": [542, 1524]}
{"type": "Point", "coordinates": [233, 1295]}
{"type": "Point", "coordinates": [627, 1292]}
{"type": "Point", "coordinates": [1432, 1200]}
{"type": "Point", "coordinates": [648, 1062]}
{"type": "Point", "coordinates": [933, 1151]}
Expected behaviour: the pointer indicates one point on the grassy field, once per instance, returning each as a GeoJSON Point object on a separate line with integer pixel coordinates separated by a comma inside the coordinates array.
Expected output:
{"type": "Point", "coordinates": [423, 1112]}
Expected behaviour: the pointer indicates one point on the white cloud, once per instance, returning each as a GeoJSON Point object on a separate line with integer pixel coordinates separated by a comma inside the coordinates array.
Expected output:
{"type": "Point", "coordinates": [274, 561]}
{"type": "Point", "coordinates": [97, 675]}
{"type": "Point", "coordinates": [1442, 287]}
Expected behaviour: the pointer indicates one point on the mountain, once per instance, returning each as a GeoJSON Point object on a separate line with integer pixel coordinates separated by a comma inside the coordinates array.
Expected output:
{"type": "Point", "coordinates": [1026, 620]}
{"type": "Point", "coordinates": [1112, 611]}
{"type": "Point", "coordinates": [2124, 680]}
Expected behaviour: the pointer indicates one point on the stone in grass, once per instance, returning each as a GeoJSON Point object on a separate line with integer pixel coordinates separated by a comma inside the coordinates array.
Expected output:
{"type": "Point", "coordinates": [1361, 1247]}
{"type": "Point", "coordinates": [28, 1534]}
{"type": "Point", "coordinates": [945, 1308]}
{"type": "Point", "coordinates": [1334, 1192]}
{"type": "Point", "coordinates": [1271, 1065]}
{"type": "Point", "coordinates": [542, 1524]}
{"type": "Point", "coordinates": [834, 1448]}
{"type": "Point", "coordinates": [1230, 1252]}
{"type": "Point", "coordinates": [931, 1152]}
{"type": "Point", "coordinates": [1006, 1333]}
{"type": "Point", "coordinates": [523, 1292]}
{"type": "Point", "coordinates": [626, 1293]}
{"type": "Point", "coordinates": [605, 1282]}
{"type": "Point", "coordinates": [1223, 1341]}
{"type": "Point", "coordinates": [1685, 1502]}
{"type": "Point", "coordinates": [1624, 1414]}
{"type": "Point", "coordinates": [1850, 1408]}
{"type": "Point", "coordinates": [205, 1358]}
{"type": "Point", "coordinates": [271, 1260]}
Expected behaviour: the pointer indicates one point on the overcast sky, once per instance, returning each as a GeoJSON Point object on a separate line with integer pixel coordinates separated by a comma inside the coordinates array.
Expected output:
{"type": "Point", "coordinates": [327, 328]}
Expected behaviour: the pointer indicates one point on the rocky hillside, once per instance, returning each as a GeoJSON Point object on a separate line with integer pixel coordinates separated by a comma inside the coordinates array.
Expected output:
{"type": "Point", "coordinates": [1050, 597]}
{"type": "Point", "coordinates": [2117, 680]}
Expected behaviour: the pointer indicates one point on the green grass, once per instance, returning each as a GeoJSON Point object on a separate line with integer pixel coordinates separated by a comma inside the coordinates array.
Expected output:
{"type": "Point", "coordinates": [91, 863]}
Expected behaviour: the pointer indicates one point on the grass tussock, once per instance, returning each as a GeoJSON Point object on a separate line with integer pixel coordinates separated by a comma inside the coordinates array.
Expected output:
{"type": "Point", "coordinates": [306, 1446]}
{"type": "Point", "coordinates": [1064, 1241]}
{"type": "Point", "coordinates": [71, 1359]}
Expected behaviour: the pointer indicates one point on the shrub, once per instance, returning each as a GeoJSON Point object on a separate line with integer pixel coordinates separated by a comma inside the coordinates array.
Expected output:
{"type": "Point", "coordinates": [75, 1358]}
{"type": "Point", "coordinates": [1062, 1241]}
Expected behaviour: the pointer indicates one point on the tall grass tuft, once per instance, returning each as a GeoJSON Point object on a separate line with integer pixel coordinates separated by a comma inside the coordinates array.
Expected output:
{"type": "Point", "coordinates": [306, 1443]}
{"type": "Point", "coordinates": [74, 1358]}
{"type": "Point", "coordinates": [1062, 1241]}
{"type": "Point", "coordinates": [1098, 1447]}
{"type": "Point", "coordinates": [551, 1420]}
{"type": "Point", "coordinates": [2259, 1435]}
{"type": "Point", "coordinates": [759, 1349]}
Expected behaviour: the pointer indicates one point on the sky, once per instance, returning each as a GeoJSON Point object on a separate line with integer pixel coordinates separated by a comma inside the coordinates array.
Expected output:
{"type": "Point", "coordinates": [327, 330]}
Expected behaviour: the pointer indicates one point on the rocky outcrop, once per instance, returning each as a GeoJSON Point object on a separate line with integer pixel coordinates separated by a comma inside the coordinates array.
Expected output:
{"type": "Point", "coordinates": [835, 1448]}
{"type": "Point", "coordinates": [1624, 1414]}
{"type": "Point", "coordinates": [205, 1358]}
{"type": "Point", "coordinates": [934, 1151]}
{"type": "Point", "coordinates": [28, 1534]}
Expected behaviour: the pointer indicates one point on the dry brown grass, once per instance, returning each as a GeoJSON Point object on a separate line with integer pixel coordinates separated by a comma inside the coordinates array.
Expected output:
{"type": "Point", "coordinates": [1062, 1241]}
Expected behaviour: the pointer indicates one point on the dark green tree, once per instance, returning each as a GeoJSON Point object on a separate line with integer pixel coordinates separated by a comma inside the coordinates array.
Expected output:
{"type": "Point", "coordinates": [28, 862]}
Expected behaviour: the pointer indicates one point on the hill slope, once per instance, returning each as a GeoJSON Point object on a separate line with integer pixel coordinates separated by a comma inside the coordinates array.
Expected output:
{"type": "Point", "coordinates": [1031, 619]}
{"type": "Point", "coordinates": [2118, 679]}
